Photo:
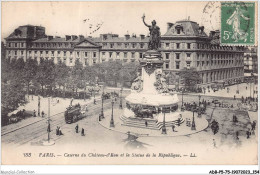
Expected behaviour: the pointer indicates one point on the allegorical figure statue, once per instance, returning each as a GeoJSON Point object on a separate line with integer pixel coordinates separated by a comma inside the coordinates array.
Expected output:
{"type": "Point", "coordinates": [155, 34]}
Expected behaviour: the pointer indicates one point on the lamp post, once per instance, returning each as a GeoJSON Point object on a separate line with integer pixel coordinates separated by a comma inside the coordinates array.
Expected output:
{"type": "Point", "coordinates": [182, 108]}
{"type": "Point", "coordinates": [39, 105]}
{"type": "Point", "coordinates": [163, 127]}
{"type": "Point", "coordinates": [199, 100]}
{"type": "Point", "coordinates": [120, 104]}
{"type": "Point", "coordinates": [112, 124]}
{"type": "Point", "coordinates": [49, 124]}
{"type": "Point", "coordinates": [102, 106]}
{"type": "Point", "coordinates": [193, 125]}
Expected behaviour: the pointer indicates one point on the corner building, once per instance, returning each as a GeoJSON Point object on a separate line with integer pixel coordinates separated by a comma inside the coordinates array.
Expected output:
{"type": "Point", "coordinates": [184, 45]}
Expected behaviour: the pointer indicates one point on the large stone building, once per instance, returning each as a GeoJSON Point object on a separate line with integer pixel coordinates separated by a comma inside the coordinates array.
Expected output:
{"type": "Point", "coordinates": [250, 60]}
{"type": "Point", "coordinates": [184, 45]}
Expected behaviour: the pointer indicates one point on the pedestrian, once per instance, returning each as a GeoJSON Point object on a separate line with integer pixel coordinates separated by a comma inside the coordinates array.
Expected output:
{"type": "Point", "coordinates": [57, 130]}
{"type": "Point", "coordinates": [34, 113]}
{"type": "Point", "coordinates": [146, 124]}
{"type": "Point", "coordinates": [214, 143]}
{"type": "Point", "coordinates": [60, 133]}
{"type": "Point", "coordinates": [32, 97]}
{"type": "Point", "coordinates": [237, 134]}
{"type": "Point", "coordinates": [42, 113]}
{"type": "Point", "coordinates": [77, 128]}
{"type": "Point", "coordinates": [234, 97]}
{"type": "Point", "coordinates": [253, 125]}
{"type": "Point", "coordinates": [82, 132]}
{"type": "Point", "coordinates": [246, 87]}
{"type": "Point", "coordinates": [94, 101]}
{"type": "Point", "coordinates": [248, 133]}
{"type": "Point", "coordinates": [173, 127]}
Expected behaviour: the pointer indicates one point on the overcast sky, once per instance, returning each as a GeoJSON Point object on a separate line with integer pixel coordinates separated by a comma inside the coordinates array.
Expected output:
{"type": "Point", "coordinates": [66, 18]}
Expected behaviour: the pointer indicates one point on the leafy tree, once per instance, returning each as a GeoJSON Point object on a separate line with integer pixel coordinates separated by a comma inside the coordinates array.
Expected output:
{"type": "Point", "coordinates": [62, 74]}
{"type": "Point", "coordinates": [190, 77]}
{"type": "Point", "coordinates": [30, 70]}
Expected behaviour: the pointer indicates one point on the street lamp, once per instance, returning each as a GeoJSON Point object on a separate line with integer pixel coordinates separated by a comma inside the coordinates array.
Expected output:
{"type": "Point", "coordinates": [39, 105]}
{"type": "Point", "coordinates": [102, 106]}
{"type": "Point", "coordinates": [199, 100]}
{"type": "Point", "coordinates": [163, 127]}
{"type": "Point", "coordinates": [112, 124]}
{"type": "Point", "coordinates": [182, 108]}
{"type": "Point", "coordinates": [120, 104]}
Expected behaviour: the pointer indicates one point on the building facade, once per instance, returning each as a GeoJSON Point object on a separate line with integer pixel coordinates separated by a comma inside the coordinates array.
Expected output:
{"type": "Point", "coordinates": [250, 60]}
{"type": "Point", "coordinates": [184, 45]}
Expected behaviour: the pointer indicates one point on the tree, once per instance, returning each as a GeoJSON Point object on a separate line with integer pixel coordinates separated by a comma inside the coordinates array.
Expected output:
{"type": "Point", "coordinates": [62, 74]}
{"type": "Point", "coordinates": [190, 77]}
{"type": "Point", "coordinates": [30, 70]}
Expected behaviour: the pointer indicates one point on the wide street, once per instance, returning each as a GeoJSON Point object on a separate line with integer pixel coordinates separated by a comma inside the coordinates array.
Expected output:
{"type": "Point", "coordinates": [32, 133]}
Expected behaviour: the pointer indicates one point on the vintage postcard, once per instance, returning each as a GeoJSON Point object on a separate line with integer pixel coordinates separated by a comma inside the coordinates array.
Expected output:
{"type": "Point", "coordinates": [129, 83]}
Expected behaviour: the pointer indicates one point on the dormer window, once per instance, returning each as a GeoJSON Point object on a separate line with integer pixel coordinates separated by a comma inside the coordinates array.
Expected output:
{"type": "Point", "coordinates": [179, 28]}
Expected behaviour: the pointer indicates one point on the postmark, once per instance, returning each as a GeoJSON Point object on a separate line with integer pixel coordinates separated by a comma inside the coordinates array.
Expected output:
{"type": "Point", "coordinates": [238, 23]}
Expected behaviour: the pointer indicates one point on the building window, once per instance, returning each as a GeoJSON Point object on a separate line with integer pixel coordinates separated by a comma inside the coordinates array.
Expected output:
{"type": "Point", "coordinates": [111, 45]}
{"type": "Point", "coordinates": [103, 54]}
{"type": "Point", "coordinates": [71, 54]}
{"type": "Point", "coordinates": [126, 45]}
{"type": "Point", "coordinates": [42, 45]}
{"type": "Point", "coordinates": [188, 55]}
{"type": "Point", "coordinates": [202, 63]}
{"type": "Point", "coordinates": [133, 45]}
{"type": "Point", "coordinates": [58, 53]}
{"type": "Point", "coordinates": [167, 45]}
{"type": "Point", "coordinates": [177, 45]}
{"type": "Point", "coordinates": [86, 61]}
{"type": "Point", "coordinates": [94, 61]}
{"type": "Point", "coordinates": [178, 31]}
{"type": "Point", "coordinates": [177, 56]}
{"type": "Point", "coordinates": [94, 54]}
{"type": "Point", "coordinates": [140, 55]}
{"type": "Point", "coordinates": [110, 54]}
{"type": "Point", "coordinates": [64, 59]}
{"type": "Point", "coordinates": [52, 53]}
{"type": "Point", "coordinates": [117, 54]}
{"type": "Point", "coordinates": [21, 52]}
{"type": "Point", "coordinates": [177, 65]}
{"type": "Point", "coordinates": [188, 45]}
{"type": "Point", "coordinates": [15, 44]}
{"type": "Point", "coordinates": [133, 55]}
{"type": "Point", "coordinates": [21, 44]}
{"type": "Point", "coordinates": [141, 45]}
{"type": "Point", "coordinates": [125, 55]}
{"type": "Point", "coordinates": [167, 56]}
{"type": "Point", "coordinates": [15, 53]}
{"type": "Point", "coordinates": [9, 44]}
{"type": "Point", "coordinates": [77, 54]}
{"type": "Point", "coordinates": [119, 44]}
{"type": "Point", "coordinates": [41, 53]}
{"type": "Point", "coordinates": [9, 52]}
{"type": "Point", "coordinates": [86, 54]}
{"type": "Point", "coordinates": [70, 60]}
{"type": "Point", "coordinates": [188, 64]}
{"type": "Point", "coordinates": [167, 65]}
{"type": "Point", "coordinates": [198, 63]}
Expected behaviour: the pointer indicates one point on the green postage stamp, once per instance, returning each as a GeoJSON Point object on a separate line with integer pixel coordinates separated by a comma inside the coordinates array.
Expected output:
{"type": "Point", "coordinates": [238, 23]}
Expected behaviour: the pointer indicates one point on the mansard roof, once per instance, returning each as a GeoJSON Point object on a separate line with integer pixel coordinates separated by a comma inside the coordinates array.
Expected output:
{"type": "Point", "coordinates": [187, 28]}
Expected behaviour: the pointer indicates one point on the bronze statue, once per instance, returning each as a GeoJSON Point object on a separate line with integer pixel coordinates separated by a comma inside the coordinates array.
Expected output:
{"type": "Point", "coordinates": [155, 34]}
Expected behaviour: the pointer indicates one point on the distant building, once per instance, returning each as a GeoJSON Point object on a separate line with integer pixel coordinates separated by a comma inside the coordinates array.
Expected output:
{"type": "Point", "coordinates": [250, 60]}
{"type": "Point", "coordinates": [184, 45]}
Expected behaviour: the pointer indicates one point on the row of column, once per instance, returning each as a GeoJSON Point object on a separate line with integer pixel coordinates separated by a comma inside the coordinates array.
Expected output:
{"type": "Point", "coordinates": [221, 75]}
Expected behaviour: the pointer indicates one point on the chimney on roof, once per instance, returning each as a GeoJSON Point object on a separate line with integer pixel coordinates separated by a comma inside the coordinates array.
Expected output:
{"type": "Point", "coordinates": [169, 25]}
{"type": "Point", "coordinates": [142, 36]}
{"type": "Point", "coordinates": [67, 37]}
{"type": "Point", "coordinates": [201, 29]}
{"type": "Point", "coordinates": [74, 37]}
{"type": "Point", "coordinates": [49, 38]}
{"type": "Point", "coordinates": [81, 37]}
{"type": "Point", "coordinates": [127, 36]}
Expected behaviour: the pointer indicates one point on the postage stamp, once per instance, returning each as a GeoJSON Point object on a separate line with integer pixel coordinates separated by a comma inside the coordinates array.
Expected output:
{"type": "Point", "coordinates": [238, 23]}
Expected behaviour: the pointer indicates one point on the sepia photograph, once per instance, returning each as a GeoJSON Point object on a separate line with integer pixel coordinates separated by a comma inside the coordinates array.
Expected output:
{"type": "Point", "coordinates": [129, 83]}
